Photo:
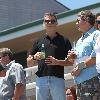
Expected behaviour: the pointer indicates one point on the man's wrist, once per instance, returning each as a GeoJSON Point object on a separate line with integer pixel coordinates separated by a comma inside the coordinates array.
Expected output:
{"type": "Point", "coordinates": [81, 65]}
{"type": "Point", "coordinates": [56, 62]}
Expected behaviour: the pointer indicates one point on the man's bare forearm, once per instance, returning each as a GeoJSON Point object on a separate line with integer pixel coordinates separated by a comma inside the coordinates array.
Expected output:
{"type": "Point", "coordinates": [64, 63]}
{"type": "Point", "coordinates": [90, 61]}
{"type": "Point", "coordinates": [19, 90]}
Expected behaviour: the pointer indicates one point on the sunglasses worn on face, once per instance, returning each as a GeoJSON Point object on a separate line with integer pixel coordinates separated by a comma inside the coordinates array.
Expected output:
{"type": "Point", "coordinates": [98, 21]}
{"type": "Point", "coordinates": [50, 21]}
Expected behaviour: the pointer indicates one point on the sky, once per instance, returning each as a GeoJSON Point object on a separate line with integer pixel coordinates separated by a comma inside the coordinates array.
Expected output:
{"type": "Point", "coordinates": [75, 4]}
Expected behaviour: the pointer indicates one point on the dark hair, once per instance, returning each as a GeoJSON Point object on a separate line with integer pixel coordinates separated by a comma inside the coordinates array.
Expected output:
{"type": "Point", "coordinates": [6, 51]}
{"type": "Point", "coordinates": [88, 16]}
{"type": "Point", "coordinates": [98, 14]}
{"type": "Point", "coordinates": [73, 91]}
{"type": "Point", "coordinates": [51, 14]}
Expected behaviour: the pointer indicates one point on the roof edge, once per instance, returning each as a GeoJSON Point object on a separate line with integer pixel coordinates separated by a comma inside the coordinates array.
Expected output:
{"type": "Point", "coordinates": [39, 21]}
{"type": "Point", "coordinates": [62, 5]}
{"type": "Point", "coordinates": [75, 11]}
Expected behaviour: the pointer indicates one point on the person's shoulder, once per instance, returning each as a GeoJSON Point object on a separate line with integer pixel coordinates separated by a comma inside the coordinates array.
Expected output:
{"type": "Point", "coordinates": [63, 37]}
{"type": "Point", "coordinates": [96, 33]}
{"type": "Point", "coordinates": [40, 39]}
{"type": "Point", "coordinates": [17, 66]}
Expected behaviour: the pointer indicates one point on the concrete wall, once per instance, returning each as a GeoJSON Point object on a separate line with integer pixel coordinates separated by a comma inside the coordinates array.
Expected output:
{"type": "Point", "coordinates": [30, 80]}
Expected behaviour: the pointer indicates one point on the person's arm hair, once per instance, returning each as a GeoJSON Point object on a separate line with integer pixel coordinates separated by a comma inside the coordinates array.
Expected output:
{"type": "Point", "coordinates": [52, 61]}
{"type": "Point", "coordinates": [87, 63]}
{"type": "Point", "coordinates": [19, 90]}
{"type": "Point", "coordinates": [90, 61]}
{"type": "Point", "coordinates": [64, 63]}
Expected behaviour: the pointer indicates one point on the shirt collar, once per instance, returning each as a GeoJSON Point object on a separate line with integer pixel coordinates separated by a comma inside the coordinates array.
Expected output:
{"type": "Point", "coordinates": [57, 35]}
{"type": "Point", "coordinates": [88, 32]}
{"type": "Point", "coordinates": [8, 65]}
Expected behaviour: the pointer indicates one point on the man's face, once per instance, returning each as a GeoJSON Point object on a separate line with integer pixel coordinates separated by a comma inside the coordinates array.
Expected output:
{"type": "Point", "coordinates": [49, 22]}
{"type": "Point", "coordinates": [80, 24]}
{"type": "Point", "coordinates": [98, 22]}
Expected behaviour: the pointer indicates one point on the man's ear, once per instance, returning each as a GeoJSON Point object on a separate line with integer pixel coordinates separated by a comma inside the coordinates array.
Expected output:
{"type": "Point", "coordinates": [56, 23]}
{"type": "Point", "coordinates": [43, 25]}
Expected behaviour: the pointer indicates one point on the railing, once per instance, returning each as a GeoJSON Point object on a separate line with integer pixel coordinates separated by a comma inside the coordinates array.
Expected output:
{"type": "Point", "coordinates": [30, 81]}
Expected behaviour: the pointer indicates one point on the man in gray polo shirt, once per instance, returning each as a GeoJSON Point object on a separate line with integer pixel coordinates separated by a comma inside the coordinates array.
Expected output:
{"type": "Point", "coordinates": [12, 86]}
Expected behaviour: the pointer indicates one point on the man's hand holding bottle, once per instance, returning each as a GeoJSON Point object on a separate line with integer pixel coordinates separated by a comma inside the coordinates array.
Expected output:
{"type": "Point", "coordinates": [39, 56]}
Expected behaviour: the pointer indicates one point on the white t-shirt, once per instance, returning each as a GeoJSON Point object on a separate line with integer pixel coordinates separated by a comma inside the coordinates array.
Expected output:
{"type": "Point", "coordinates": [97, 51]}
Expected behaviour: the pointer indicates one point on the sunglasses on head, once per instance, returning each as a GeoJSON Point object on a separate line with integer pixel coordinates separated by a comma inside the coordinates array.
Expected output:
{"type": "Point", "coordinates": [50, 21]}
{"type": "Point", "coordinates": [98, 21]}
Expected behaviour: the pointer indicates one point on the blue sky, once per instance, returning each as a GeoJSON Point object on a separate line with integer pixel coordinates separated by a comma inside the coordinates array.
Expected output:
{"type": "Point", "coordinates": [74, 4]}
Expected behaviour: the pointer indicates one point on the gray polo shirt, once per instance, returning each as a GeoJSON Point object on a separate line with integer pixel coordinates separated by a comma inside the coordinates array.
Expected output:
{"type": "Point", "coordinates": [14, 75]}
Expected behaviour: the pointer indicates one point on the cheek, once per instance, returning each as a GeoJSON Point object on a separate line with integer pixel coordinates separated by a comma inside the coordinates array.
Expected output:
{"type": "Point", "coordinates": [2, 60]}
{"type": "Point", "coordinates": [99, 25]}
{"type": "Point", "coordinates": [98, 18]}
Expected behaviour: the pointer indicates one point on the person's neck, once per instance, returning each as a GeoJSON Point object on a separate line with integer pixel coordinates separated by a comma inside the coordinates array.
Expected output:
{"type": "Point", "coordinates": [7, 62]}
{"type": "Point", "coordinates": [87, 29]}
{"type": "Point", "coordinates": [51, 34]}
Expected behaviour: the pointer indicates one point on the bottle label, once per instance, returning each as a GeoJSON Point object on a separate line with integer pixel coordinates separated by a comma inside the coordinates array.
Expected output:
{"type": "Point", "coordinates": [42, 55]}
{"type": "Point", "coordinates": [43, 52]}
